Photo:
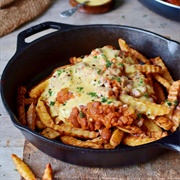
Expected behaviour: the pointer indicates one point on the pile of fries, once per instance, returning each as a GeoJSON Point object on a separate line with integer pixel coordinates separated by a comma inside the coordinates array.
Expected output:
{"type": "Point", "coordinates": [104, 99]}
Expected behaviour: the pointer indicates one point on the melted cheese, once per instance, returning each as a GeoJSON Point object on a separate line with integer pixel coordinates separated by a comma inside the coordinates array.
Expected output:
{"type": "Point", "coordinates": [89, 80]}
{"type": "Point", "coordinates": [94, 2]}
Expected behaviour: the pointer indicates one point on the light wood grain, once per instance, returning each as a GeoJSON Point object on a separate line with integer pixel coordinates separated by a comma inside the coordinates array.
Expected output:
{"type": "Point", "coordinates": [127, 12]}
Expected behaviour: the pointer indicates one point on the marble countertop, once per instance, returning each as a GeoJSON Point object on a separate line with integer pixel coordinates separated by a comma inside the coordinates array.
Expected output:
{"type": "Point", "coordinates": [127, 12]}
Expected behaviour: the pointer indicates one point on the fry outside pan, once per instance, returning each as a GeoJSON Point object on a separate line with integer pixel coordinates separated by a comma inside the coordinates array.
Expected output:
{"type": "Point", "coordinates": [35, 60]}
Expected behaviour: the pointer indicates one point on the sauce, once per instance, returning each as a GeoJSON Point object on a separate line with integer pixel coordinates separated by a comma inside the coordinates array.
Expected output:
{"type": "Point", "coordinates": [94, 2]}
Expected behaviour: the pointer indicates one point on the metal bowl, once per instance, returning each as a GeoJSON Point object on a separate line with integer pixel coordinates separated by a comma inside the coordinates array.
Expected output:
{"type": "Point", "coordinates": [163, 8]}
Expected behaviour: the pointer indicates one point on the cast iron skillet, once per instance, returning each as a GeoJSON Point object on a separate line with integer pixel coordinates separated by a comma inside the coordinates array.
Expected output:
{"type": "Point", "coordinates": [34, 61]}
{"type": "Point", "coordinates": [163, 8]}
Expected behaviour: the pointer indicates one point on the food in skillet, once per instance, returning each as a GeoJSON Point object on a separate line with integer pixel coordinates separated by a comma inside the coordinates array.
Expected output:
{"type": "Point", "coordinates": [175, 2]}
{"type": "Point", "coordinates": [104, 99]}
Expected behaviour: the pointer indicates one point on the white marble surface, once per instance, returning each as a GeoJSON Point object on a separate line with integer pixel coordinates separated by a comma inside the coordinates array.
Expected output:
{"type": "Point", "coordinates": [127, 12]}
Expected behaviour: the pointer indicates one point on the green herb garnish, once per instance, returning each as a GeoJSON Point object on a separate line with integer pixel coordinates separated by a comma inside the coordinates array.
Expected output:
{"type": "Point", "coordinates": [81, 114]}
{"type": "Point", "coordinates": [139, 115]}
{"type": "Point", "coordinates": [92, 94]}
{"type": "Point", "coordinates": [50, 92]}
{"type": "Point", "coordinates": [52, 103]}
{"type": "Point", "coordinates": [79, 89]}
{"type": "Point", "coordinates": [59, 71]}
{"type": "Point", "coordinates": [104, 99]}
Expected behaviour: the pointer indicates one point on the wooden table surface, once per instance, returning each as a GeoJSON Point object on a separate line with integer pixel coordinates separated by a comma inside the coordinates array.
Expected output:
{"type": "Point", "coordinates": [127, 12]}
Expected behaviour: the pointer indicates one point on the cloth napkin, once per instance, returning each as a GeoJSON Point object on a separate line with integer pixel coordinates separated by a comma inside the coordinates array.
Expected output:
{"type": "Point", "coordinates": [14, 13]}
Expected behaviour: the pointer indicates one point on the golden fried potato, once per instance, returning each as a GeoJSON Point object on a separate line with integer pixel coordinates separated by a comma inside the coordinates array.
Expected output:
{"type": "Point", "coordinates": [31, 116]}
{"type": "Point", "coordinates": [48, 174]}
{"type": "Point", "coordinates": [79, 143]}
{"type": "Point", "coordinates": [116, 137]}
{"type": "Point", "coordinates": [23, 168]}
{"type": "Point", "coordinates": [21, 105]}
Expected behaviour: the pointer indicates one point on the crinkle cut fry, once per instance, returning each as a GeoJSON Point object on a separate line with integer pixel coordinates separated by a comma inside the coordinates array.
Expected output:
{"type": "Point", "coordinates": [76, 142]}
{"type": "Point", "coordinates": [76, 132]}
{"type": "Point", "coordinates": [44, 115]}
{"type": "Point", "coordinates": [162, 81]}
{"type": "Point", "coordinates": [48, 174]}
{"type": "Point", "coordinates": [176, 118]}
{"type": "Point", "coordinates": [165, 73]}
{"type": "Point", "coordinates": [148, 108]}
{"type": "Point", "coordinates": [148, 68]}
{"type": "Point", "coordinates": [116, 137]}
{"type": "Point", "coordinates": [23, 168]}
{"type": "Point", "coordinates": [50, 133]}
{"type": "Point", "coordinates": [135, 140]}
{"type": "Point", "coordinates": [31, 116]}
{"type": "Point", "coordinates": [21, 105]}
{"type": "Point", "coordinates": [36, 91]}
{"type": "Point", "coordinates": [126, 48]}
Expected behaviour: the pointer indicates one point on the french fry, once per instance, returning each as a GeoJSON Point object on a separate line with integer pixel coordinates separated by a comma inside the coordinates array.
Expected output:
{"type": "Point", "coordinates": [75, 132]}
{"type": "Point", "coordinates": [160, 95]}
{"type": "Point", "coordinates": [162, 81]}
{"type": "Point", "coordinates": [44, 115]}
{"type": "Point", "coordinates": [145, 107]}
{"type": "Point", "coordinates": [21, 105]}
{"type": "Point", "coordinates": [23, 168]}
{"type": "Point", "coordinates": [116, 137]}
{"type": "Point", "coordinates": [50, 133]}
{"type": "Point", "coordinates": [31, 116]}
{"type": "Point", "coordinates": [36, 91]}
{"type": "Point", "coordinates": [48, 174]}
{"type": "Point", "coordinates": [130, 129]}
{"type": "Point", "coordinates": [165, 73]}
{"type": "Point", "coordinates": [76, 142]}
{"type": "Point", "coordinates": [176, 118]}
{"type": "Point", "coordinates": [134, 140]}
{"type": "Point", "coordinates": [164, 122]}
{"type": "Point", "coordinates": [126, 48]}
{"type": "Point", "coordinates": [28, 101]}
{"type": "Point", "coordinates": [151, 126]}
{"type": "Point", "coordinates": [147, 68]}
{"type": "Point", "coordinates": [39, 124]}
{"type": "Point", "coordinates": [172, 99]}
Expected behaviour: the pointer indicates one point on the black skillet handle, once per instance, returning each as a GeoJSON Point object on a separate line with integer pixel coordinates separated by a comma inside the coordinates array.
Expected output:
{"type": "Point", "coordinates": [171, 142]}
{"type": "Point", "coordinates": [21, 41]}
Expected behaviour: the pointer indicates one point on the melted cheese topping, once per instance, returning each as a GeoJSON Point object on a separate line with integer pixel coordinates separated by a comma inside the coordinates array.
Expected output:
{"type": "Point", "coordinates": [94, 2]}
{"type": "Point", "coordinates": [90, 80]}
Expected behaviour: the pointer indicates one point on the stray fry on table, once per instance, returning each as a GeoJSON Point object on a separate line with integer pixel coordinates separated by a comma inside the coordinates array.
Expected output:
{"type": "Point", "coordinates": [25, 171]}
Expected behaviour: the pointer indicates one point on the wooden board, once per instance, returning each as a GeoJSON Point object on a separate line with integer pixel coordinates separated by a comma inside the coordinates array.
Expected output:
{"type": "Point", "coordinates": [164, 167]}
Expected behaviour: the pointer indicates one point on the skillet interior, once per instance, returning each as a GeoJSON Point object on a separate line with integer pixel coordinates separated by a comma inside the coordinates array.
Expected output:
{"type": "Point", "coordinates": [40, 57]}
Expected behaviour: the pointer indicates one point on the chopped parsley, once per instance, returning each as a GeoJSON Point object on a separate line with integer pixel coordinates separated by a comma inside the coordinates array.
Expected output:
{"type": "Point", "coordinates": [146, 95]}
{"type": "Point", "coordinates": [139, 115]}
{"type": "Point", "coordinates": [59, 71]}
{"type": "Point", "coordinates": [50, 92]}
{"type": "Point", "coordinates": [108, 63]}
{"type": "Point", "coordinates": [52, 103]}
{"type": "Point", "coordinates": [118, 79]}
{"type": "Point", "coordinates": [104, 99]}
{"type": "Point", "coordinates": [92, 94]}
{"type": "Point", "coordinates": [79, 89]}
{"type": "Point", "coordinates": [121, 64]}
{"type": "Point", "coordinates": [95, 57]}
{"type": "Point", "coordinates": [168, 103]}
{"type": "Point", "coordinates": [99, 71]}
{"type": "Point", "coordinates": [81, 114]}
